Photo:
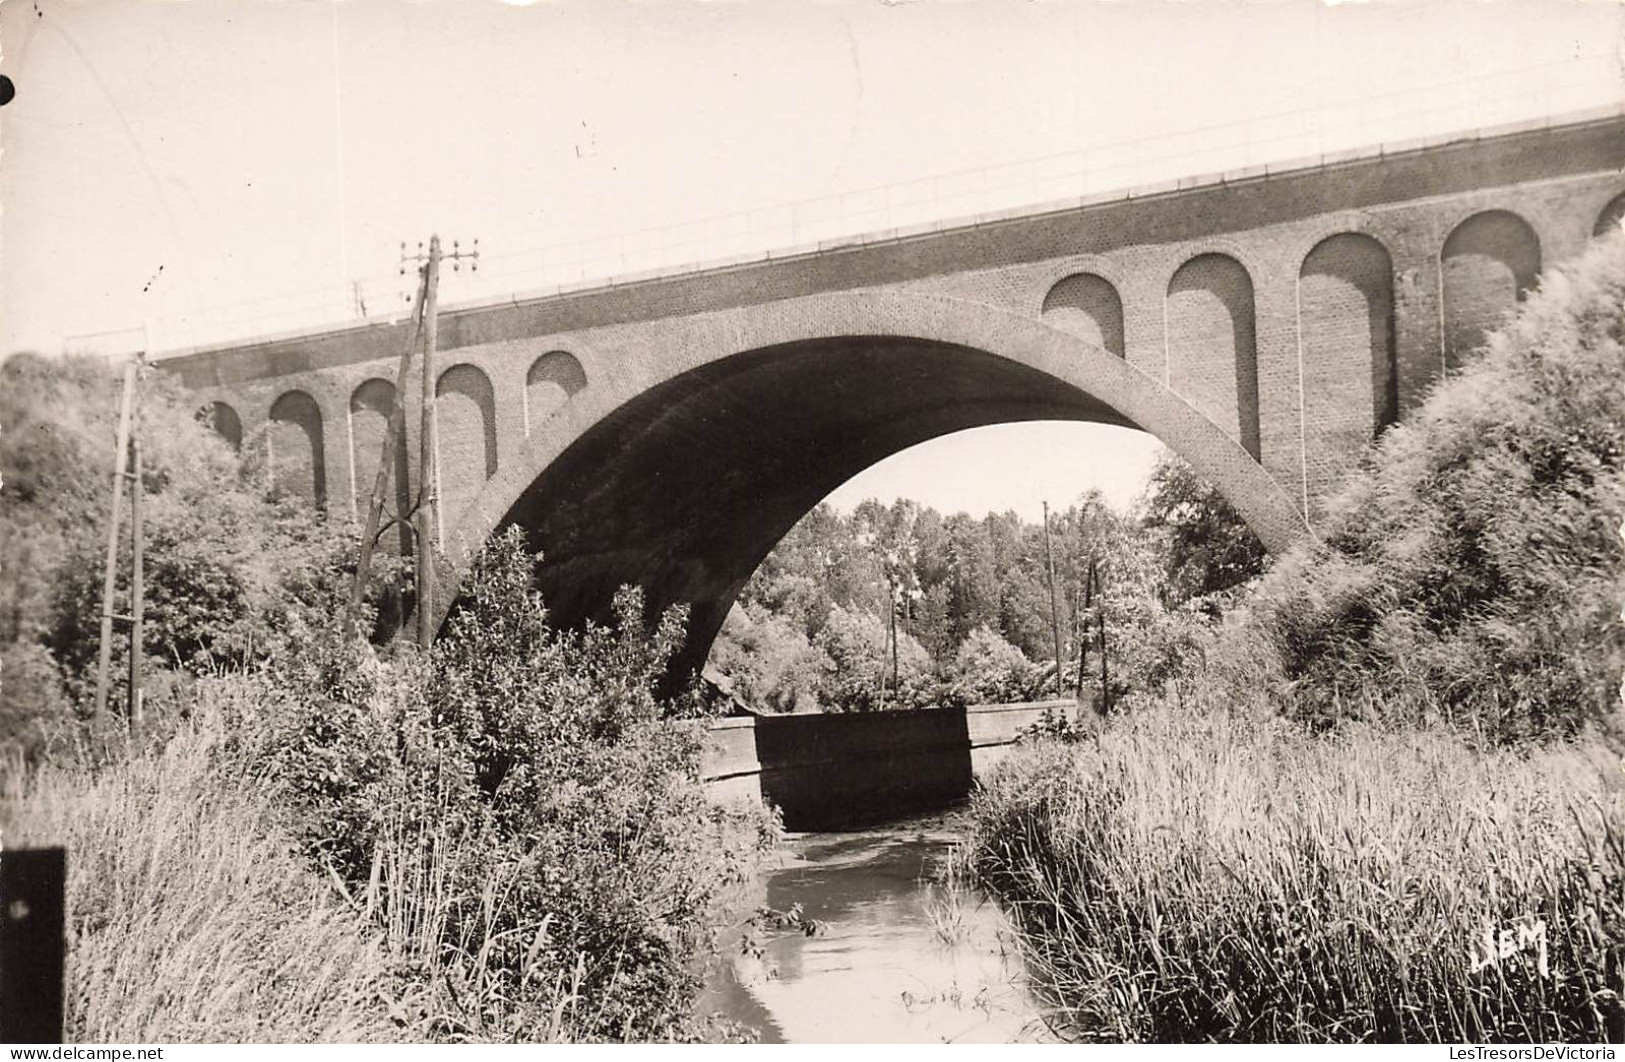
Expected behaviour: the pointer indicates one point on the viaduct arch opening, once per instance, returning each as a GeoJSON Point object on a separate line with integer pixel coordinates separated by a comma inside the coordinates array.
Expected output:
{"type": "Point", "coordinates": [682, 484]}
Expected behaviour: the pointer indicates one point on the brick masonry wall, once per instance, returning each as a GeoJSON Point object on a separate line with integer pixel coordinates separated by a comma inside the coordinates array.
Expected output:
{"type": "Point", "coordinates": [466, 436]}
{"type": "Point", "coordinates": [1489, 263]}
{"type": "Point", "coordinates": [1088, 306]}
{"type": "Point", "coordinates": [1212, 347]}
{"type": "Point", "coordinates": [1345, 315]}
{"type": "Point", "coordinates": [1181, 324]}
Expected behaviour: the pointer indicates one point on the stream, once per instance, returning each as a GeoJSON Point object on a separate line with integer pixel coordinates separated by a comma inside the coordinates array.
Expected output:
{"type": "Point", "coordinates": [891, 956]}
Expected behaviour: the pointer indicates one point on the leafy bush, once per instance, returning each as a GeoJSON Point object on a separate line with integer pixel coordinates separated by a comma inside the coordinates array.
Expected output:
{"type": "Point", "coordinates": [989, 670]}
{"type": "Point", "coordinates": [230, 574]}
{"type": "Point", "coordinates": [860, 676]}
{"type": "Point", "coordinates": [1209, 548]}
{"type": "Point", "coordinates": [1187, 876]}
{"type": "Point", "coordinates": [770, 662]}
{"type": "Point", "coordinates": [1472, 568]}
{"type": "Point", "coordinates": [1149, 640]}
{"type": "Point", "coordinates": [523, 812]}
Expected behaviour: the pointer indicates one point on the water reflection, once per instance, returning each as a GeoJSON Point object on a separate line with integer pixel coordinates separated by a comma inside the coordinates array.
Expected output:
{"type": "Point", "coordinates": [892, 960]}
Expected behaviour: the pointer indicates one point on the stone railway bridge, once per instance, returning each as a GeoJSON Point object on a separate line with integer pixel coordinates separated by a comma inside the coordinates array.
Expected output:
{"type": "Point", "coordinates": [666, 430]}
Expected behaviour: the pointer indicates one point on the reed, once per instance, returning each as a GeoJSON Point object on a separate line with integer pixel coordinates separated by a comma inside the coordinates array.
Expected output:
{"type": "Point", "coordinates": [191, 917]}
{"type": "Point", "coordinates": [1218, 877]}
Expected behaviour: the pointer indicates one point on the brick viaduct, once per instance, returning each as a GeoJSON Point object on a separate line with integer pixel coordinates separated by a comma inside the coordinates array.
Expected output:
{"type": "Point", "coordinates": [666, 430]}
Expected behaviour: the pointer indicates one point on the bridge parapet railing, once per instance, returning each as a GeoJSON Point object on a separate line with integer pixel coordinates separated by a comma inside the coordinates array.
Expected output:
{"type": "Point", "coordinates": [1001, 724]}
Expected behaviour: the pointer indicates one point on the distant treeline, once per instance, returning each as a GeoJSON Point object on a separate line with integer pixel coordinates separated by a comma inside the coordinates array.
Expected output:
{"type": "Point", "coordinates": [971, 598]}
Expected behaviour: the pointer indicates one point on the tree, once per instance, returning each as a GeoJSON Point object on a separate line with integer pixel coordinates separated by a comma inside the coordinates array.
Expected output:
{"type": "Point", "coordinates": [771, 663]}
{"type": "Point", "coordinates": [229, 571]}
{"type": "Point", "coordinates": [989, 670]}
{"type": "Point", "coordinates": [1210, 548]}
{"type": "Point", "coordinates": [856, 644]}
{"type": "Point", "coordinates": [972, 578]}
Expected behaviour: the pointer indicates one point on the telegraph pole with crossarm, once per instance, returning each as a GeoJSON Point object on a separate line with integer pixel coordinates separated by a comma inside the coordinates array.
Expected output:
{"type": "Point", "coordinates": [425, 324]}
{"type": "Point", "coordinates": [126, 466]}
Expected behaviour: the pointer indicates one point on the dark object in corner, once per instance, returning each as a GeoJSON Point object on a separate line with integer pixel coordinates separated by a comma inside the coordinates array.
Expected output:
{"type": "Point", "coordinates": [32, 946]}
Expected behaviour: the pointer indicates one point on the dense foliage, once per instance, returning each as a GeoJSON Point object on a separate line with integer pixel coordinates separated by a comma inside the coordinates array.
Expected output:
{"type": "Point", "coordinates": [520, 798]}
{"type": "Point", "coordinates": [1209, 549]}
{"type": "Point", "coordinates": [1472, 568]}
{"type": "Point", "coordinates": [1439, 854]}
{"type": "Point", "coordinates": [230, 572]}
{"type": "Point", "coordinates": [972, 602]}
{"type": "Point", "coordinates": [503, 838]}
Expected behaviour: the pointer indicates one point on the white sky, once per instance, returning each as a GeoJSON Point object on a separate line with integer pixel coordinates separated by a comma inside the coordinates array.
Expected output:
{"type": "Point", "coordinates": [164, 160]}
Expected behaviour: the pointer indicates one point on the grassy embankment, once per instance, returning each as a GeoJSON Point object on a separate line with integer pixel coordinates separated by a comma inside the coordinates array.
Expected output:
{"type": "Point", "coordinates": [1197, 876]}
{"type": "Point", "coordinates": [192, 916]}
{"type": "Point", "coordinates": [1408, 737]}
{"type": "Point", "coordinates": [196, 914]}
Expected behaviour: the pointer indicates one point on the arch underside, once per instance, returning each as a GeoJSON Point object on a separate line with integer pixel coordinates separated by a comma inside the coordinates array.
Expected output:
{"type": "Point", "coordinates": [685, 488]}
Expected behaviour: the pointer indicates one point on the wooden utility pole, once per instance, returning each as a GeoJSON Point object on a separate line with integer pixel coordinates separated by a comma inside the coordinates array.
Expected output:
{"type": "Point", "coordinates": [422, 519]}
{"type": "Point", "coordinates": [121, 472]}
{"type": "Point", "coordinates": [894, 604]}
{"type": "Point", "coordinates": [428, 443]}
{"type": "Point", "coordinates": [888, 648]}
{"type": "Point", "coordinates": [137, 587]}
{"type": "Point", "coordinates": [428, 479]}
{"type": "Point", "coordinates": [1054, 618]}
{"type": "Point", "coordinates": [386, 463]}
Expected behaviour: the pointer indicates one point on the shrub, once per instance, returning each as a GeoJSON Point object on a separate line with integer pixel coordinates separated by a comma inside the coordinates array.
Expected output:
{"type": "Point", "coordinates": [1149, 641]}
{"type": "Point", "coordinates": [230, 573]}
{"type": "Point", "coordinates": [989, 670]}
{"type": "Point", "coordinates": [859, 678]}
{"type": "Point", "coordinates": [521, 810]}
{"type": "Point", "coordinates": [1472, 569]}
{"type": "Point", "coordinates": [772, 665]}
{"type": "Point", "coordinates": [1209, 548]}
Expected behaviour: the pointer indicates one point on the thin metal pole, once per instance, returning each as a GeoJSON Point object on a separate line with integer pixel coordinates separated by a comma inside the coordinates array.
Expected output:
{"type": "Point", "coordinates": [1105, 685]}
{"type": "Point", "coordinates": [1083, 624]}
{"type": "Point", "coordinates": [110, 579]}
{"type": "Point", "coordinates": [1054, 618]}
{"type": "Point", "coordinates": [428, 444]}
{"type": "Point", "coordinates": [137, 589]}
{"type": "Point", "coordinates": [386, 462]}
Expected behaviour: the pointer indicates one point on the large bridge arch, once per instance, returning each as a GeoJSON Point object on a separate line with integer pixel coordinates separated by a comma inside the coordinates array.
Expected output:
{"type": "Point", "coordinates": [681, 467]}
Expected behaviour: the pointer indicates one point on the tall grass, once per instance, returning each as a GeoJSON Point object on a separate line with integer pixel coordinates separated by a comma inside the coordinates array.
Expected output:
{"type": "Point", "coordinates": [1207, 877]}
{"type": "Point", "coordinates": [191, 918]}
{"type": "Point", "coordinates": [194, 915]}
